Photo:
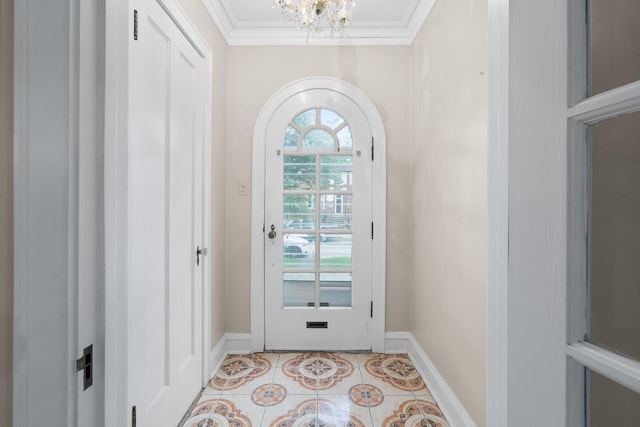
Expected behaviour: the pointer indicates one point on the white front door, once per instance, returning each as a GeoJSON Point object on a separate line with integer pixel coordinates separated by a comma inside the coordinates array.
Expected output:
{"type": "Point", "coordinates": [318, 224]}
{"type": "Point", "coordinates": [165, 220]}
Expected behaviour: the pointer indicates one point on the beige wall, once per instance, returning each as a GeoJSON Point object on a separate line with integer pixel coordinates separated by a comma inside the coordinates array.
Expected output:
{"type": "Point", "coordinates": [449, 293]}
{"type": "Point", "coordinates": [6, 210]}
{"type": "Point", "coordinates": [256, 73]}
{"type": "Point", "coordinates": [201, 18]}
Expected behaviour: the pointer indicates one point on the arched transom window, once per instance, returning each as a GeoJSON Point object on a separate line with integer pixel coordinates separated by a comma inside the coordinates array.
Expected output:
{"type": "Point", "coordinates": [318, 129]}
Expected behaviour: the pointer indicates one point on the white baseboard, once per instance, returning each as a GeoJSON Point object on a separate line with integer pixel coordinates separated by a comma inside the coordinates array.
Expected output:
{"type": "Point", "coordinates": [454, 412]}
{"type": "Point", "coordinates": [228, 344]}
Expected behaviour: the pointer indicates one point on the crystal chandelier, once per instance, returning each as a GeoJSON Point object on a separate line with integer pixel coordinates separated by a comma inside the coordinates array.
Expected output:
{"type": "Point", "coordinates": [313, 15]}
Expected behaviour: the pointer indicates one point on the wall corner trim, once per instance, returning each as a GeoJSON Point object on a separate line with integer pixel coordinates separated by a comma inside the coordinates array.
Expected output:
{"type": "Point", "coordinates": [228, 344]}
{"type": "Point", "coordinates": [454, 411]}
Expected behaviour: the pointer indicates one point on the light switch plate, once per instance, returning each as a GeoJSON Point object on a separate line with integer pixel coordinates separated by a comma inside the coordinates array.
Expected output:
{"type": "Point", "coordinates": [243, 189]}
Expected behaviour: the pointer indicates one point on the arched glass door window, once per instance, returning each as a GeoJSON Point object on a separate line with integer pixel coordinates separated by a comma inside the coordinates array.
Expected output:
{"type": "Point", "coordinates": [318, 207]}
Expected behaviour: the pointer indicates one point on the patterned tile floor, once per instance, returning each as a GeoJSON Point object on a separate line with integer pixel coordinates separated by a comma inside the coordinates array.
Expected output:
{"type": "Point", "coordinates": [316, 390]}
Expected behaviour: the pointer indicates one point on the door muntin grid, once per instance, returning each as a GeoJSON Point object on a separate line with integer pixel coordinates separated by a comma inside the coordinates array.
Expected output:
{"type": "Point", "coordinates": [317, 210]}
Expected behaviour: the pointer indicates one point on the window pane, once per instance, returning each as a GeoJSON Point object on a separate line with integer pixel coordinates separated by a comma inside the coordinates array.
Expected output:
{"type": "Point", "coordinates": [335, 289]}
{"type": "Point", "coordinates": [299, 211]}
{"type": "Point", "coordinates": [297, 252]}
{"type": "Point", "coordinates": [306, 118]}
{"type": "Point", "coordinates": [318, 139]}
{"type": "Point", "coordinates": [337, 210]}
{"type": "Point", "coordinates": [614, 28]}
{"type": "Point", "coordinates": [330, 119]}
{"type": "Point", "coordinates": [615, 234]}
{"type": "Point", "coordinates": [291, 139]}
{"type": "Point", "coordinates": [299, 172]}
{"type": "Point", "coordinates": [299, 289]}
{"type": "Point", "coordinates": [335, 251]}
{"type": "Point", "coordinates": [336, 173]}
{"type": "Point", "coordinates": [612, 404]}
{"type": "Point", "coordinates": [344, 138]}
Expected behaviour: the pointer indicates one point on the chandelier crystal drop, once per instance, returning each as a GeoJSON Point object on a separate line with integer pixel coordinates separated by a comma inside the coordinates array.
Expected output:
{"type": "Point", "coordinates": [314, 15]}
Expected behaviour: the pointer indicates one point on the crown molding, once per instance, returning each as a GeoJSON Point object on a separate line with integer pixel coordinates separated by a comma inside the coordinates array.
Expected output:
{"type": "Point", "coordinates": [359, 34]}
{"type": "Point", "coordinates": [220, 18]}
{"type": "Point", "coordinates": [420, 14]}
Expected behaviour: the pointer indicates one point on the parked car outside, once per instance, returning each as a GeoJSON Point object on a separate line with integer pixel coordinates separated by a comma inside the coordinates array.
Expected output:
{"type": "Point", "coordinates": [311, 237]}
{"type": "Point", "coordinates": [297, 246]}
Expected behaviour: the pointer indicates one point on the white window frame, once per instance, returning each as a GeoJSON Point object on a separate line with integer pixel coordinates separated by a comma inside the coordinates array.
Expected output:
{"type": "Point", "coordinates": [258, 199]}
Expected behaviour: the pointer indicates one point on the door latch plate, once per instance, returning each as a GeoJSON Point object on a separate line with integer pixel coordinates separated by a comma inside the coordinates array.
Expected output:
{"type": "Point", "coordinates": [85, 364]}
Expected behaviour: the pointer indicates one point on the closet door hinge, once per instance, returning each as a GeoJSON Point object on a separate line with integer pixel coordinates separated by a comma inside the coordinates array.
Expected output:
{"type": "Point", "coordinates": [133, 417]}
{"type": "Point", "coordinates": [371, 230]}
{"type": "Point", "coordinates": [135, 25]}
{"type": "Point", "coordinates": [372, 309]}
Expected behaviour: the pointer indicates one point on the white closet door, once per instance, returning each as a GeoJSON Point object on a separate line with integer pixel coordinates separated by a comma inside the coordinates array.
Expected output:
{"type": "Point", "coordinates": [165, 220]}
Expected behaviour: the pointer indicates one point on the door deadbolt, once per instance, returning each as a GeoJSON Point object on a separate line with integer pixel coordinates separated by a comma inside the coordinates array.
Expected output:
{"type": "Point", "coordinates": [272, 234]}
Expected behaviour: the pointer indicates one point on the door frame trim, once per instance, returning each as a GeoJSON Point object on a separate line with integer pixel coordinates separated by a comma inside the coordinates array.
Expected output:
{"type": "Point", "coordinates": [46, 173]}
{"type": "Point", "coordinates": [527, 248]}
{"type": "Point", "coordinates": [119, 30]}
{"type": "Point", "coordinates": [258, 199]}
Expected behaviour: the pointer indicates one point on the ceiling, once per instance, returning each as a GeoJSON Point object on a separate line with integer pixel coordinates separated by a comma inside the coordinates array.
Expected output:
{"type": "Point", "coordinates": [374, 22]}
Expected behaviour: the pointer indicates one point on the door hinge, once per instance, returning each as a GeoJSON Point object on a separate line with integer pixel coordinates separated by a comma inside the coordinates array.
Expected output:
{"type": "Point", "coordinates": [133, 417]}
{"type": "Point", "coordinates": [85, 364]}
{"type": "Point", "coordinates": [135, 25]}
{"type": "Point", "coordinates": [372, 148]}
{"type": "Point", "coordinates": [372, 309]}
{"type": "Point", "coordinates": [371, 230]}
{"type": "Point", "coordinates": [203, 252]}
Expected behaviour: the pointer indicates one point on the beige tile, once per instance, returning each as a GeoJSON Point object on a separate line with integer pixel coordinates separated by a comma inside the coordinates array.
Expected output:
{"type": "Point", "coordinates": [285, 357]}
{"type": "Point", "coordinates": [249, 384]}
{"type": "Point", "coordinates": [295, 383]}
{"type": "Point", "coordinates": [271, 357]}
{"type": "Point", "coordinates": [342, 411]}
{"type": "Point", "coordinates": [200, 410]}
{"type": "Point", "coordinates": [351, 357]}
{"type": "Point", "coordinates": [424, 393]}
{"type": "Point", "coordinates": [416, 383]}
{"type": "Point", "coordinates": [400, 408]}
{"type": "Point", "coordinates": [293, 409]}
{"type": "Point", "coordinates": [255, 391]}
{"type": "Point", "coordinates": [364, 357]}
{"type": "Point", "coordinates": [431, 409]}
{"type": "Point", "coordinates": [269, 395]}
{"type": "Point", "coordinates": [237, 372]}
{"type": "Point", "coordinates": [237, 366]}
{"type": "Point", "coordinates": [338, 384]}
{"type": "Point", "coordinates": [366, 395]}
{"type": "Point", "coordinates": [215, 385]}
{"type": "Point", "coordinates": [198, 421]}
{"type": "Point", "coordinates": [203, 406]}
{"type": "Point", "coordinates": [386, 384]}
{"type": "Point", "coordinates": [239, 409]}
